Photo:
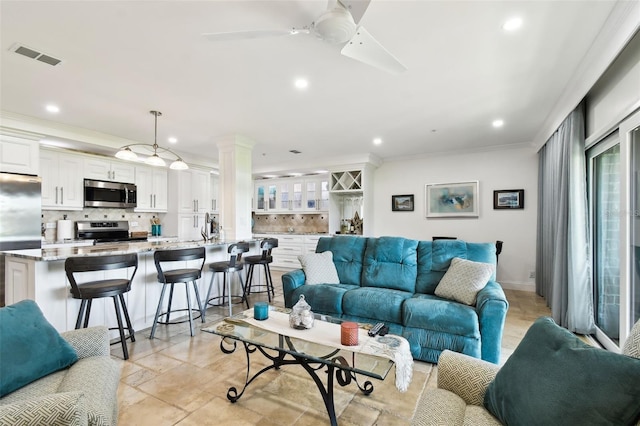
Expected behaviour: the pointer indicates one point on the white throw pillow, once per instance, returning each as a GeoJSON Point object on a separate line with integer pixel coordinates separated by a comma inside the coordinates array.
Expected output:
{"type": "Point", "coordinates": [463, 280]}
{"type": "Point", "coordinates": [319, 268]}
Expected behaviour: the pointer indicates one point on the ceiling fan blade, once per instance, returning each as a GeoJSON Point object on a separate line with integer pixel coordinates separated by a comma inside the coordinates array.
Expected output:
{"type": "Point", "coordinates": [252, 34]}
{"type": "Point", "coordinates": [364, 48]}
{"type": "Point", "coordinates": [356, 8]}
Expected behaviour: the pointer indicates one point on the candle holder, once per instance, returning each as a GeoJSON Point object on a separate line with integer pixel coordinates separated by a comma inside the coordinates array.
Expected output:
{"type": "Point", "coordinates": [349, 333]}
{"type": "Point", "coordinates": [261, 311]}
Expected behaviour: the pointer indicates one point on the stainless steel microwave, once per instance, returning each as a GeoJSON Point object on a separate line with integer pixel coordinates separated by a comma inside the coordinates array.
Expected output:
{"type": "Point", "coordinates": [98, 193]}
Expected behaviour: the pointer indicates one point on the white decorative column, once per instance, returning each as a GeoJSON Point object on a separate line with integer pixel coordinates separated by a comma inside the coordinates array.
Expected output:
{"type": "Point", "coordinates": [236, 187]}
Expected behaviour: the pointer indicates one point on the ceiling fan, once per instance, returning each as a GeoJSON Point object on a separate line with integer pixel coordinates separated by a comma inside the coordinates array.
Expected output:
{"type": "Point", "coordinates": [337, 25]}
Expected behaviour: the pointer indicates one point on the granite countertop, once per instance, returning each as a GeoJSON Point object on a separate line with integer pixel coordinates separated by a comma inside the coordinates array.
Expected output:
{"type": "Point", "coordinates": [104, 249]}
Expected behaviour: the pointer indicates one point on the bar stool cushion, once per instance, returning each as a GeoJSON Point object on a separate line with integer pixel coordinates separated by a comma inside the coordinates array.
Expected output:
{"type": "Point", "coordinates": [181, 275]}
{"type": "Point", "coordinates": [225, 267]}
{"type": "Point", "coordinates": [257, 259]}
{"type": "Point", "coordinates": [103, 288]}
{"type": "Point", "coordinates": [30, 347]}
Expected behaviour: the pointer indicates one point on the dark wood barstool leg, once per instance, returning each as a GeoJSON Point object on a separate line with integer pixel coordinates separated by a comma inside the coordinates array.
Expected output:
{"type": "Point", "coordinates": [87, 313]}
{"type": "Point", "coordinates": [269, 280]}
{"type": "Point", "coordinates": [244, 294]}
{"type": "Point", "coordinates": [170, 301]}
{"type": "Point", "coordinates": [123, 340]}
{"type": "Point", "coordinates": [127, 319]}
{"type": "Point", "coordinates": [83, 305]}
{"type": "Point", "coordinates": [249, 279]}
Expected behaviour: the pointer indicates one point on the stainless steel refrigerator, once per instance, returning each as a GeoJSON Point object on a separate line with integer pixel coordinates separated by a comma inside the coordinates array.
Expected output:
{"type": "Point", "coordinates": [20, 216]}
{"type": "Point", "coordinates": [20, 212]}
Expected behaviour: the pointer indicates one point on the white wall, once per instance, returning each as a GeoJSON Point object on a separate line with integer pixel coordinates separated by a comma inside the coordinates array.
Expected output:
{"type": "Point", "coordinates": [515, 168]}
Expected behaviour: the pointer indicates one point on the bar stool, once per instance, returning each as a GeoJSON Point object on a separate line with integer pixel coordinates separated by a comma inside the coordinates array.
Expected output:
{"type": "Point", "coordinates": [112, 287]}
{"type": "Point", "coordinates": [229, 268]}
{"type": "Point", "coordinates": [263, 259]}
{"type": "Point", "coordinates": [176, 276]}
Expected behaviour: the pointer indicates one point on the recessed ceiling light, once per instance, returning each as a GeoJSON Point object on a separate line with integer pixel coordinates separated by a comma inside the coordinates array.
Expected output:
{"type": "Point", "coordinates": [377, 141]}
{"type": "Point", "coordinates": [497, 123]}
{"type": "Point", "coordinates": [301, 83]}
{"type": "Point", "coordinates": [53, 108]}
{"type": "Point", "coordinates": [172, 139]}
{"type": "Point", "coordinates": [512, 24]}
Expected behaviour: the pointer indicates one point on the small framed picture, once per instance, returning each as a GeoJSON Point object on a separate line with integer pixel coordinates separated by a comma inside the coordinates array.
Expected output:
{"type": "Point", "coordinates": [508, 199]}
{"type": "Point", "coordinates": [402, 203]}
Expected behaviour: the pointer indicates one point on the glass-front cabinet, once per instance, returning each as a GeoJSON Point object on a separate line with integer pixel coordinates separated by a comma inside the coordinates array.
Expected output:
{"type": "Point", "coordinates": [265, 196]}
{"type": "Point", "coordinates": [299, 194]}
{"type": "Point", "coordinates": [290, 195]}
{"type": "Point", "coordinates": [316, 194]}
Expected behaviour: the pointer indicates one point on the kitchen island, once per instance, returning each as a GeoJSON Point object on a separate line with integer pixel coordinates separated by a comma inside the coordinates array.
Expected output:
{"type": "Point", "coordinates": [38, 274]}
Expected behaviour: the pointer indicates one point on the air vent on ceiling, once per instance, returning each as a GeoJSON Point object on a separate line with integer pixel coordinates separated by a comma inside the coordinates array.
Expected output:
{"type": "Point", "coordinates": [34, 54]}
{"type": "Point", "coordinates": [295, 151]}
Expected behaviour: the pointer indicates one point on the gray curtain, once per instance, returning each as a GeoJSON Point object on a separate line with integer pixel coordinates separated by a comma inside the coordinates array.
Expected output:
{"type": "Point", "coordinates": [563, 268]}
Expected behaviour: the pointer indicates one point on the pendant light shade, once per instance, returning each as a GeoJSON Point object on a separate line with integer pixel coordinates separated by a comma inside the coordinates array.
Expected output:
{"type": "Point", "coordinates": [155, 160]}
{"type": "Point", "coordinates": [179, 165]}
{"type": "Point", "coordinates": [125, 153]}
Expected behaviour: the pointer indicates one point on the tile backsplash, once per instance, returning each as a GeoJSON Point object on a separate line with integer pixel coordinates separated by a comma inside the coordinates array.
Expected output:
{"type": "Point", "coordinates": [296, 223]}
{"type": "Point", "coordinates": [143, 220]}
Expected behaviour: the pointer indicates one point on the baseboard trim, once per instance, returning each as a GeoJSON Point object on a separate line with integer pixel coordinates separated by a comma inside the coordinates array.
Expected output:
{"type": "Point", "coordinates": [519, 286]}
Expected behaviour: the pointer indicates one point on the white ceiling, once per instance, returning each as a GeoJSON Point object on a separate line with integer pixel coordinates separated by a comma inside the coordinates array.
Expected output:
{"type": "Point", "coordinates": [122, 59]}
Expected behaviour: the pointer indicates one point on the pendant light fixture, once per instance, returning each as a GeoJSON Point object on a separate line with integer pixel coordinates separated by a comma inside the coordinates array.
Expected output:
{"type": "Point", "coordinates": [126, 153]}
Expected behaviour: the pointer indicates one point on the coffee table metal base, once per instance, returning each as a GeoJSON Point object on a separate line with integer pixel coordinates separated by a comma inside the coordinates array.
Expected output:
{"type": "Point", "coordinates": [344, 377]}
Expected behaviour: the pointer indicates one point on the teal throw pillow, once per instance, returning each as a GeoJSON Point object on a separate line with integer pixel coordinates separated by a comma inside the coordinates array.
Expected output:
{"type": "Point", "coordinates": [30, 348]}
{"type": "Point", "coordinates": [554, 378]}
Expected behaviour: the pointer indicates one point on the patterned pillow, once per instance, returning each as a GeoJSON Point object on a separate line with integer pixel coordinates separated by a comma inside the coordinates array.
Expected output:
{"type": "Point", "coordinates": [463, 280]}
{"type": "Point", "coordinates": [319, 268]}
{"type": "Point", "coordinates": [632, 345]}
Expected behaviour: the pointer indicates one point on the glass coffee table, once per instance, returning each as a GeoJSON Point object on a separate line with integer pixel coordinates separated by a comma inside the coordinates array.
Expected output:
{"type": "Point", "coordinates": [284, 349]}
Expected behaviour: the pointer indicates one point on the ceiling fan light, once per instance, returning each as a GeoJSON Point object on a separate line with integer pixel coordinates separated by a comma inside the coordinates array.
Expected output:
{"type": "Point", "coordinates": [125, 153]}
{"type": "Point", "coordinates": [179, 165]}
{"type": "Point", "coordinates": [335, 25]}
{"type": "Point", "coordinates": [155, 160]}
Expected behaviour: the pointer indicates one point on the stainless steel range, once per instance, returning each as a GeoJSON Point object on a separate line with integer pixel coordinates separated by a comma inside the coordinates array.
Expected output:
{"type": "Point", "coordinates": [105, 231]}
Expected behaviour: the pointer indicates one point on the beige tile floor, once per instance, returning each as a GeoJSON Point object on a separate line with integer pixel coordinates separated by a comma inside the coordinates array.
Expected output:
{"type": "Point", "coordinates": [176, 379]}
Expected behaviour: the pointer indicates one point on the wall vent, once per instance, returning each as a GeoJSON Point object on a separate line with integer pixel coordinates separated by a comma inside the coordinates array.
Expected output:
{"type": "Point", "coordinates": [34, 54]}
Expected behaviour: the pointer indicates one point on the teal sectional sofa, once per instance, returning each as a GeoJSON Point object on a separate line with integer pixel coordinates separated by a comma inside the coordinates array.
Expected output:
{"type": "Point", "coordinates": [393, 280]}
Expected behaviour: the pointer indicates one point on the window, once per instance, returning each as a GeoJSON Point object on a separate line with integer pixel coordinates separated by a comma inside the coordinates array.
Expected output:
{"type": "Point", "coordinates": [614, 193]}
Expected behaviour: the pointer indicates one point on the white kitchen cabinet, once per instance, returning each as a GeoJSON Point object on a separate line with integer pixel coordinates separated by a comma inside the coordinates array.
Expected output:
{"type": "Point", "coordinates": [62, 182]}
{"type": "Point", "coordinates": [316, 194]}
{"type": "Point", "coordinates": [104, 169]}
{"type": "Point", "coordinates": [265, 192]}
{"type": "Point", "coordinates": [188, 202]}
{"type": "Point", "coordinates": [18, 155]}
{"type": "Point", "coordinates": [311, 242]}
{"type": "Point", "coordinates": [292, 195]}
{"type": "Point", "coordinates": [190, 226]}
{"type": "Point", "coordinates": [214, 193]}
{"type": "Point", "coordinates": [151, 183]}
{"type": "Point", "coordinates": [289, 195]}
{"type": "Point", "coordinates": [192, 190]}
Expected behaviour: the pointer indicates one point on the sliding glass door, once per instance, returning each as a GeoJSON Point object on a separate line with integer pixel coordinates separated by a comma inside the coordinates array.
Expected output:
{"type": "Point", "coordinates": [614, 191]}
{"type": "Point", "coordinates": [605, 206]}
